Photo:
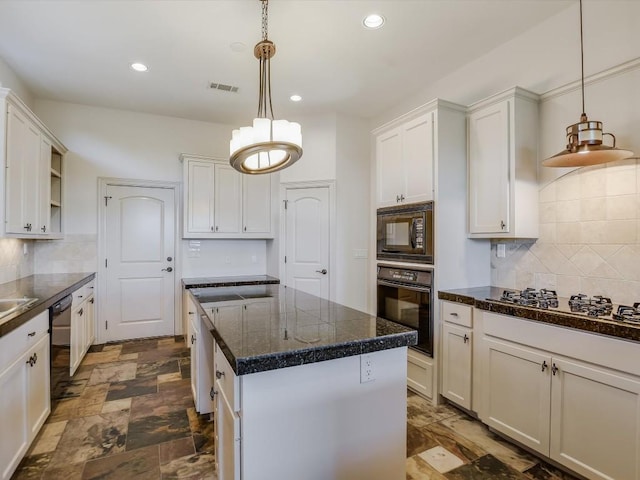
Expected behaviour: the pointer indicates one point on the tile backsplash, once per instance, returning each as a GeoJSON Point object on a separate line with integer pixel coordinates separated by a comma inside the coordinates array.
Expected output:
{"type": "Point", "coordinates": [14, 263]}
{"type": "Point", "coordinates": [589, 237]}
{"type": "Point", "coordinates": [74, 253]}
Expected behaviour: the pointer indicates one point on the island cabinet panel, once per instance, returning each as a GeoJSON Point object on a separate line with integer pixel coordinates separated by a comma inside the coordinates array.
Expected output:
{"type": "Point", "coordinates": [329, 424]}
{"type": "Point", "coordinates": [24, 383]}
{"type": "Point", "coordinates": [82, 324]}
{"type": "Point", "coordinates": [456, 364]}
{"type": "Point", "coordinates": [219, 202]}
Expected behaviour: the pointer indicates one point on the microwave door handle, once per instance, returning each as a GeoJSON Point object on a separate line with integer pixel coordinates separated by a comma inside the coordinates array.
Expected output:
{"type": "Point", "coordinates": [412, 234]}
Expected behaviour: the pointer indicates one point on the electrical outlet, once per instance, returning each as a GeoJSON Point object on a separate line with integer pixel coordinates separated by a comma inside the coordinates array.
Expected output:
{"type": "Point", "coordinates": [367, 369]}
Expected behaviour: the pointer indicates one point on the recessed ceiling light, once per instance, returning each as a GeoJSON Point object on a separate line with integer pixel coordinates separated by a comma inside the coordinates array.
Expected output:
{"type": "Point", "coordinates": [295, 98]}
{"type": "Point", "coordinates": [139, 67]}
{"type": "Point", "coordinates": [373, 21]}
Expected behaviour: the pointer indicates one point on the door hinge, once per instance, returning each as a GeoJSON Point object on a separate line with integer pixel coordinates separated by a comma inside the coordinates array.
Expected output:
{"type": "Point", "coordinates": [285, 259]}
{"type": "Point", "coordinates": [105, 263]}
{"type": "Point", "coordinates": [106, 324]}
{"type": "Point", "coordinates": [286, 202]}
{"type": "Point", "coordinates": [106, 200]}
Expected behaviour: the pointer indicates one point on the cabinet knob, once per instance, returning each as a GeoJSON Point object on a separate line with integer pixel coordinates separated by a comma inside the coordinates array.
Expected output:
{"type": "Point", "coordinates": [401, 197]}
{"type": "Point", "coordinates": [544, 365]}
{"type": "Point", "coordinates": [502, 224]}
{"type": "Point", "coordinates": [554, 369]}
{"type": "Point", "coordinates": [193, 339]}
{"type": "Point", "coordinates": [212, 393]}
{"type": "Point", "coordinates": [219, 374]}
{"type": "Point", "coordinates": [397, 198]}
{"type": "Point", "coordinates": [212, 228]}
{"type": "Point", "coordinates": [245, 229]}
{"type": "Point", "coordinates": [465, 338]}
{"type": "Point", "coordinates": [44, 228]}
{"type": "Point", "coordinates": [453, 314]}
{"type": "Point", "coordinates": [81, 312]}
{"type": "Point", "coordinates": [216, 228]}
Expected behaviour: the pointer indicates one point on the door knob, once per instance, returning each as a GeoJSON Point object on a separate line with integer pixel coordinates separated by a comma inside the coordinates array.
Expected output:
{"type": "Point", "coordinates": [168, 269]}
{"type": "Point", "coordinates": [323, 271]}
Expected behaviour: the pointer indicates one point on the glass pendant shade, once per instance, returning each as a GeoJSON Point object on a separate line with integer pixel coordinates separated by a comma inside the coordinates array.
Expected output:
{"type": "Point", "coordinates": [267, 146]}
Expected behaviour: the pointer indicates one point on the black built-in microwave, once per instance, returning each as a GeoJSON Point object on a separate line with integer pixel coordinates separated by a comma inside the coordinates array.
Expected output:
{"type": "Point", "coordinates": [405, 233]}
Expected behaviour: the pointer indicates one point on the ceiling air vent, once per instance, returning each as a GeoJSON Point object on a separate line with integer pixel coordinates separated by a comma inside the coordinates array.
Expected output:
{"type": "Point", "coordinates": [223, 87]}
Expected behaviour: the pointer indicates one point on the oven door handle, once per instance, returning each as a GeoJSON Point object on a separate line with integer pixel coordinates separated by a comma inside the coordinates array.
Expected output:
{"type": "Point", "coordinates": [412, 230]}
{"type": "Point", "coordinates": [385, 283]}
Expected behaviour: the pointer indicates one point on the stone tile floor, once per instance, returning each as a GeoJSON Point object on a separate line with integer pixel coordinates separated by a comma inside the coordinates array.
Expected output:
{"type": "Point", "coordinates": [128, 413]}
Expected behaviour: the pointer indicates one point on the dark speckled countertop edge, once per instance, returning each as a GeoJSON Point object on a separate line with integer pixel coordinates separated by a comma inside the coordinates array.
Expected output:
{"type": "Point", "coordinates": [205, 282]}
{"type": "Point", "coordinates": [578, 322]}
{"type": "Point", "coordinates": [277, 360]}
{"type": "Point", "coordinates": [19, 318]}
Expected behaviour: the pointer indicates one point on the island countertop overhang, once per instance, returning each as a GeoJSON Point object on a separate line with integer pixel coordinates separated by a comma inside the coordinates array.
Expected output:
{"type": "Point", "coordinates": [261, 327]}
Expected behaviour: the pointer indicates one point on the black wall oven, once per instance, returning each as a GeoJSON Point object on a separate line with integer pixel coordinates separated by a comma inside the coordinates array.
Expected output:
{"type": "Point", "coordinates": [405, 233]}
{"type": "Point", "coordinates": [405, 297]}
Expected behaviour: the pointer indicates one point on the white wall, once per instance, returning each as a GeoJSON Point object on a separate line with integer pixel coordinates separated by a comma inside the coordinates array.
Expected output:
{"type": "Point", "coordinates": [9, 79]}
{"type": "Point", "coordinates": [353, 211]}
{"type": "Point", "coordinates": [106, 142]}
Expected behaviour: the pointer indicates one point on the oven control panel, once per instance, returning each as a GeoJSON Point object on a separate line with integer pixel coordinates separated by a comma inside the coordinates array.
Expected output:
{"type": "Point", "coordinates": [404, 275]}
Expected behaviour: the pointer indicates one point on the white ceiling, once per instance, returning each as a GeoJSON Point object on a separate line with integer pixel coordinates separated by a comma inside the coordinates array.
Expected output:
{"type": "Point", "coordinates": [80, 51]}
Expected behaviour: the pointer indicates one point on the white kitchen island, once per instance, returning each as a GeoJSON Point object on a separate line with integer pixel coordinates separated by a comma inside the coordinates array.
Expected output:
{"type": "Point", "coordinates": [304, 388]}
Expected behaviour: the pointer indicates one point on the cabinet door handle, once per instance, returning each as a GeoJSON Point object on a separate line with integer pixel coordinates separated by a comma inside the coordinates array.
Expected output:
{"type": "Point", "coordinates": [397, 198]}
{"type": "Point", "coordinates": [92, 301]}
{"type": "Point", "coordinates": [212, 393]}
{"type": "Point", "coordinates": [453, 314]}
{"type": "Point", "coordinates": [44, 228]}
{"type": "Point", "coordinates": [245, 229]}
{"type": "Point", "coordinates": [465, 339]}
{"type": "Point", "coordinates": [81, 312]}
{"type": "Point", "coordinates": [216, 228]}
{"type": "Point", "coordinates": [31, 334]}
{"type": "Point", "coordinates": [168, 269]}
{"type": "Point", "coordinates": [30, 361]}
{"type": "Point", "coordinates": [554, 369]}
{"type": "Point", "coordinates": [323, 271]}
{"type": "Point", "coordinates": [219, 374]}
{"type": "Point", "coordinates": [28, 227]}
{"type": "Point", "coordinates": [35, 358]}
{"type": "Point", "coordinates": [212, 228]}
{"type": "Point", "coordinates": [402, 197]}
{"type": "Point", "coordinates": [193, 339]}
{"type": "Point", "coordinates": [502, 224]}
{"type": "Point", "coordinates": [544, 365]}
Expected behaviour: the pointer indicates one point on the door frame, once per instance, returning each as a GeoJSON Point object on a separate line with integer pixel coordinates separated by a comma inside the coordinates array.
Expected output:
{"type": "Point", "coordinates": [101, 280]}
{"type": "Point", "coordinates": [331, 185]}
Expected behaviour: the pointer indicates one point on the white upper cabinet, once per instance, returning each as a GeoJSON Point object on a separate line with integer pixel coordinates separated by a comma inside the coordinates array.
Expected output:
{"type": "Point", "coordinates": [29, 152]}
{"type": "Point", "coordinates": [502, 156]}
{"type": "Point", "coordinates": [219, 202]}
{"type": "Point", "coordinates": [404, 159]}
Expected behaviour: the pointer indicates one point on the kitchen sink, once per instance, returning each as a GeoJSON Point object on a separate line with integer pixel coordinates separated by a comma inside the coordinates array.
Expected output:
{"type": "Point", "coordinates": [10, 305]}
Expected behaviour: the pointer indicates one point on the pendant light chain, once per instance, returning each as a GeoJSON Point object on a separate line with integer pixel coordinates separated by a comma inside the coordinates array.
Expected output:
{"type": "Point", "coordinates": [582, 59]}
{"type": "Point", "coordinates": [265, 19]}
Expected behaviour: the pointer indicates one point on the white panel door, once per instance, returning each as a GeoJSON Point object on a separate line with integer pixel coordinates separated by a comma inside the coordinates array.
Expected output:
{"type": "Point", "coordinates": [595, 420]}
{"type": "Point", "coordinates": [140, 233]}
{"type": "Point", "coordinates": [489, 170]}
{"type": "Point", "coordinates": [517, 390]}
{"type": "Point", "coordinates": [307, 240]}
{"type": "Point", "coordinates": [417, 159]}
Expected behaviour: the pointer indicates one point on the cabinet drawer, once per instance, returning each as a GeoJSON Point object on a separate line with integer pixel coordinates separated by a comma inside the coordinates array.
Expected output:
{"type": "Point", "coordinates": [81, 294]}
{"type": "Point", "coordinates": [457, 313]}
{"type": "Point", "coordinates": [227, 380]}
{"type": "Point", "coordinates": [22, 338]}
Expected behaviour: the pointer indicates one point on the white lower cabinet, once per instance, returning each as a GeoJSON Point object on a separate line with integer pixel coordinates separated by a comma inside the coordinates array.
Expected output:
{"type": "Point", "coordinates": [82, 325]}
{"type": "Point", "coordinates": [569, 395]}
{"type": "Point", "coordinates": [420, 373]}
{"type": "Point", "coordinates": [595, 420]}
{"type": "Point", "coordinates": [456, 364]}
{"type": "Point", "coordinates": [517, 388]}
{"type": "Point", "coordinates": [24, 383]}
{"type": "Point", "coordinates": [202, 363]}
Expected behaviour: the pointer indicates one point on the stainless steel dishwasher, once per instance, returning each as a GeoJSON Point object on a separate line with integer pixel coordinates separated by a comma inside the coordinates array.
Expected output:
{"type": "Point", "coordinates": [60, 315]}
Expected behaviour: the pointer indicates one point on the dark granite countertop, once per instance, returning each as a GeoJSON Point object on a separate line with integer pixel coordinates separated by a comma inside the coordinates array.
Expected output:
{"type": "Point", "coordinates": [229, 281]}
{"type": "Point", "coordinates": [48, 288]}
{"type": "Point", "coordinates": [486, 298]}
{"type": "Point", "coordinates": [267, 327]}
